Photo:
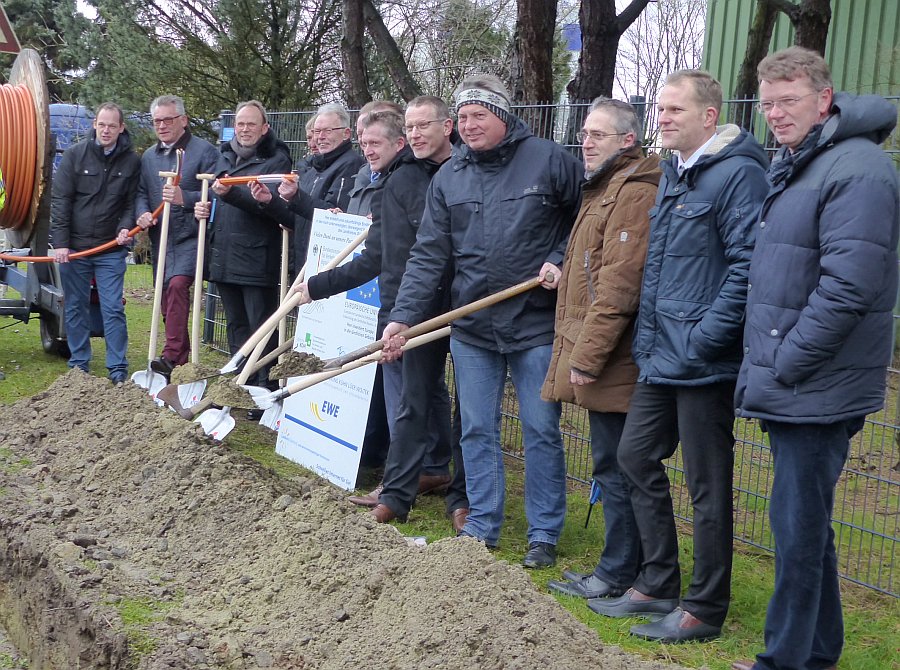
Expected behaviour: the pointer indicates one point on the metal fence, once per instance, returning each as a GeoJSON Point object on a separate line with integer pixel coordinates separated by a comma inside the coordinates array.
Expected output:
{"type": "Point", "coordinates": [867, 503]}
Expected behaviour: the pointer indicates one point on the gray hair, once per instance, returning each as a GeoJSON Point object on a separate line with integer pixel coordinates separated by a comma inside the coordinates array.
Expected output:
{"type": "Point", "coordinates": [794, 62]}
{"type": "Point", "coordinates": [624, 117]}
{"type": "Point", "coordinates": [256, 104]}
{"type": "Point", "coordinates": [166, 101]}
{"type": "Point", "coordinates": [336, 109]}
{"type": "Point", "coordinates": [390, 122]}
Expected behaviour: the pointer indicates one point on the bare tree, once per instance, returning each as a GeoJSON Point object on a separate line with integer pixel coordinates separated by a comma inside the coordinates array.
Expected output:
{"type": "Point", "coordinates": [395, 62]}
{"type": "Point", "coordinates": [667, 36]}
{"type": "Point", "coordinates": [601, 29]}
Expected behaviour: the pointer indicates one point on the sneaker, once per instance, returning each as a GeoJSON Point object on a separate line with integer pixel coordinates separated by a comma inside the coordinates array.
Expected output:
{"type": "Point", "coordinates": [540, 555]}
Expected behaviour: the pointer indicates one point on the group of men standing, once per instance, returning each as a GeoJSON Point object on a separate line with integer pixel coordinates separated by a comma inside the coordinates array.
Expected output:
{"type": "Point", "coordinates": [673, 293]}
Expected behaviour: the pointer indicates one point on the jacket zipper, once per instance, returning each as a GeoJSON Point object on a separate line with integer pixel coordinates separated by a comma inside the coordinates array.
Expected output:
{"type": "Point", "coordinates": [587, 274]}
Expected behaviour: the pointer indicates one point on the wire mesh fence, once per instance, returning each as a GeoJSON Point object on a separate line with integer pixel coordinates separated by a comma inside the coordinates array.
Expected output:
{"type": "Point", "coordinates": [867, 503]}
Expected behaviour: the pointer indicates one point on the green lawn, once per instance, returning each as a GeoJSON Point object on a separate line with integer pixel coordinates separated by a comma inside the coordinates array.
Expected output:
{"type": "Point", "coordinates": [872, 620]}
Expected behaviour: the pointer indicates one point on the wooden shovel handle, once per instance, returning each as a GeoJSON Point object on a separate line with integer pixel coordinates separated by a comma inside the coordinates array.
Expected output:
{"type": "Point", "coordinates": [442, 320]}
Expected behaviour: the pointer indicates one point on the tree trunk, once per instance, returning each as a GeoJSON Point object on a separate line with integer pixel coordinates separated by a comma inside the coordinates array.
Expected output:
{"type": "Point", "coordinates": [600, 33]}
{"type": "Point", "coordinates": [534, 32]}
{"type": "Point", "coordinates": [409, 88]}
{"type": "Point", "coordinates": [757, 47]}
{"type": "Point", "coordinates": [811, 26]}
{"type": "Point", "coordinates": [352, 53]}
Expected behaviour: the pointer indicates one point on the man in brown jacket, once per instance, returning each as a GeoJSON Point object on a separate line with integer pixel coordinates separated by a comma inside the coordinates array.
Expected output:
{"type": "Point", "coordinates": [596, 304]}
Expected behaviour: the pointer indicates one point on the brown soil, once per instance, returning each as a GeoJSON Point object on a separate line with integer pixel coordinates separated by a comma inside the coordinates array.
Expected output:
{"type": "Point", "coordinates": [109, 501]}
{"type": "Point", "coordinates": [189, 372]}
{"type": "Point", "coordinates": [296, 363]}
{"type": "Point", "coordinates": [228, 394]}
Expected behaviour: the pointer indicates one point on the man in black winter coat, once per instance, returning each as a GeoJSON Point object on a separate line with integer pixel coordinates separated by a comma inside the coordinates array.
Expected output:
{"type": "Point", "coordinates": [244, 241]}
{"type": "Point", "coordinates": [93, 203]}
{"type": "Point", "coordinates": [325, 183]}
{"type": "Point", "coordinates": [817, 338]}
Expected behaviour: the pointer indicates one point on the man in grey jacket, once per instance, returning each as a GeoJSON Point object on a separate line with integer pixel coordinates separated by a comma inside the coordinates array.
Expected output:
{"type": "Point", "coordinates": [200, 157]}
{"type": "Point", "coordinates": [818, 333]}
{"type": "Point", "coordinates": [498, 213]}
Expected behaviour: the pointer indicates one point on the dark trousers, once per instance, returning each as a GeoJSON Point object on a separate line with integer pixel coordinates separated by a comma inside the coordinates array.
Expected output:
{"type": "Point", "coordinates": [804, 623]}
{"type": "Point", "coordinates": [422, 423]}
{"type": "Point", "coordinates": [377, 438]}
{"type": "Point", "coordinates": [176, 306]}
{"type": "Point", "coordinates": [456, 493]}
{"type": "Point", "coordinates": [246, 309]}
{"type": "Point", "coordinates": [621, 557]}
{"type": "Point", "coordinates": [702, 417]}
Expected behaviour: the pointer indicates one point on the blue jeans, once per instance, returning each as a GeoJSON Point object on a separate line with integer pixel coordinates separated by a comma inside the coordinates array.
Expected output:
{"type": "Point", "coordinates": [481, 376]}
{"type": "Point", "coordinates": [804, 623]}
{"type": "Point", "coordinates": [109, 271]}
{"type": "Point", "coordinates": [621, 558]}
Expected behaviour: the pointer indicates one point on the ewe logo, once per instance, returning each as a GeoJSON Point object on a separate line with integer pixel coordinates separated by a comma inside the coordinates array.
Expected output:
{"type": "Point", "coordinates": [326, 411]}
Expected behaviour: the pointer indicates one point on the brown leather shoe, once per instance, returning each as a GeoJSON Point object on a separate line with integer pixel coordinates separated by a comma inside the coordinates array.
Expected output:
{"type": "Point", "coordinates": [458, 518]}
{"type": "Point", "coordinates": [433, 484]}
{"type": "Point", "coordinates": [382, 513]}
{"type": "Point", "coordinates": [368, 500]}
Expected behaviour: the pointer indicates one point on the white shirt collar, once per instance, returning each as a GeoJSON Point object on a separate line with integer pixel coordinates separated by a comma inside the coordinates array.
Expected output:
{"type": "Point", "coordinates": [694, 157]}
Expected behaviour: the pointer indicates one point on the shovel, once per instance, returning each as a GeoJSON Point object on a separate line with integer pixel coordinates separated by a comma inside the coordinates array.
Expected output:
{"type": "Point", "coordinates": [171, 396]}
{"type": "Point", "coordinates": [443, 319]}
{"type": "Point", "coordinates": [272, 401]}
{"type": "Point", "coordinates": [148, 379]}
{"type": "Point", "coordinates": [190, 394]}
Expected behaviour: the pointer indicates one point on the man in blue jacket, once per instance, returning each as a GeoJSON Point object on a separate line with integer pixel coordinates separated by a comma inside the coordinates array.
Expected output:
{"type": "Point", "coordinates": [498, 213]}
{"type": "Point", "coordinates": [687, 345]}
{"type": "Point", "coordinates": [93, 203]}
{"type": "Point", "coordinates": [818, 332]}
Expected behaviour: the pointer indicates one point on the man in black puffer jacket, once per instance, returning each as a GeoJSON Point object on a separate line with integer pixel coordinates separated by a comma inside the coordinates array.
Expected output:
{"type": "Point", "coordinates": [244, 241]}
{"type": "Point", "coordinates": [93, 203]}
{"type": "Point", "coordinates": [818, 333]}
{"type": "Point", "coordinates": [326, 183]}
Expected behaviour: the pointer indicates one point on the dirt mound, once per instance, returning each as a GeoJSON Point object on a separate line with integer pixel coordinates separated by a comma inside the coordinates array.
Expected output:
{"type": "Point", "coordinates": [131, 540]}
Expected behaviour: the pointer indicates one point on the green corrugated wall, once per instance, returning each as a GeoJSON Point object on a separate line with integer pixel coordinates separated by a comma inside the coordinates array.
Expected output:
{"type": "Point", "coordinates": [863, 47]}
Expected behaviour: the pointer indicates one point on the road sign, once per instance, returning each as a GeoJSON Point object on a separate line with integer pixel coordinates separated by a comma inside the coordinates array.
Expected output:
{"type": "Point", "coordinates": [8, 41]}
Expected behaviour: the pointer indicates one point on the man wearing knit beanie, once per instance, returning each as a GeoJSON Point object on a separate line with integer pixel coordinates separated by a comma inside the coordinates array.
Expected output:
{"type": "Point", "coordinates": [498, 213]}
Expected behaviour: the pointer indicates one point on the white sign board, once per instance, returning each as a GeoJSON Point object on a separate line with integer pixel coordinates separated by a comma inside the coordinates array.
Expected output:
{"type": "Point", "coordinates": [323, 426]}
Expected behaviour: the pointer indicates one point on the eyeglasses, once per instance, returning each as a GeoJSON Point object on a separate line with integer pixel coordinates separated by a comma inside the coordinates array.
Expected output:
{"type": "Point", "coordinates": [325, 131]}
{"type": "Point", "coordinates": [421, 126]}
{"type": "Point", "coordinates": [166, 120]}
{"type": "Point", "coordinates": [784, 104]}
{"type": "Point", "coordinates": [595, 135]}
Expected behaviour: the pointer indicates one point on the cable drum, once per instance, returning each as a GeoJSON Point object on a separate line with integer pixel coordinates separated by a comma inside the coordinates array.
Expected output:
{"type": "Point", "coordinates": [24, 147]}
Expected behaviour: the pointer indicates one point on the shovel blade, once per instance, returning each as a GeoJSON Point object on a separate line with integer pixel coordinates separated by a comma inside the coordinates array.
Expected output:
{"type": "Point", "coordinates": [216, 423]}
{"type": "Point", "coordinates": [272, 417]}
{"type": "Point", "coordinates": [152, 381]}
{"type": "Point", "coordinates": [261, 396]}
{"type": "Point", "coordinates": [190, 394]}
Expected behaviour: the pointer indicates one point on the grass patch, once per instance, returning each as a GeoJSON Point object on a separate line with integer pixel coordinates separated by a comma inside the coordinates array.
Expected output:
{"type": "Point", "coordinates": [138, 615]}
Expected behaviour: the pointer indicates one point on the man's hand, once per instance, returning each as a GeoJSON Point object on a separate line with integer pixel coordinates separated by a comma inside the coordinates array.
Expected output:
{"type": "Point", "coordinates": [172, 194]}
{"type": "Point", "coordinates": [549, 275]}
{"type": "Point", "coordinates": [580, 379]}
{"type": "Point", "coordinates": [303, 291]}
{"type": "Point", "coordinates": [61, 255]}
{"type": "Point", "coordinates": [219, 188]}
{"type": "Point", "coordinates": [335, 210]}
{"type": "Point", "coordinates": [260, 192]}
{"type": "Point", "coordinates": [392, 341]}
{"type": "Point", "coordinates": [202, 210]}
{"type": "Point", "coordinates": [287, 189]}
{"type": "Point", "coordinates": [146, 220]}
{"type": "Point", "coordinates": [122, 238]}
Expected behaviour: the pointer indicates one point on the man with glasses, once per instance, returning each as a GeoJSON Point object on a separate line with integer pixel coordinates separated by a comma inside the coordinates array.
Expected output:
{"type": "Point", "coordinates": [170, 122]}
{"type": "Point", "coordinates": [687, 346]}
{"type": "Point", "coordinates": [818, 334]}
{"type": "Point", "coordinates": [497, 214]}
{"type": "Point", "coordinates": [92, 203]}
{"type": "Point", "coordinates": [328, 182]}
{"type": "Point", "coordinates": [596, 307]}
